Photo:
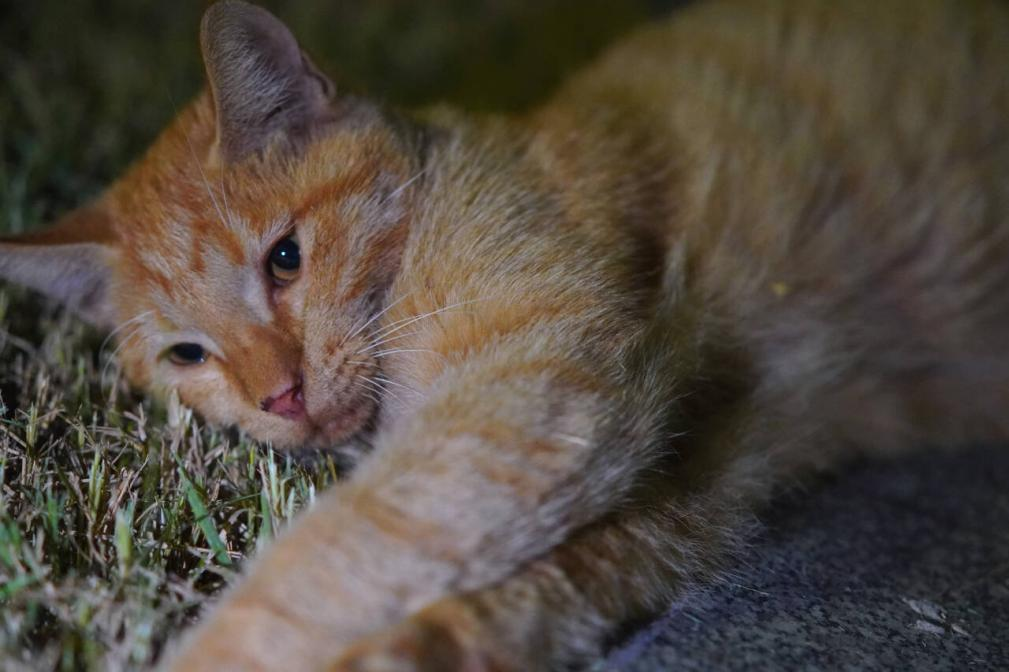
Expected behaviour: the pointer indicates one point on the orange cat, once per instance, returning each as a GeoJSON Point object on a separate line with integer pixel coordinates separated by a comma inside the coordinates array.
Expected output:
{"type": "Point", "coordinates": [584, 343]}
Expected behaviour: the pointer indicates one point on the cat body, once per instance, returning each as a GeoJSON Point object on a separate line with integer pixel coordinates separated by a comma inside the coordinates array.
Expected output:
{"type": "Point", "coordinates": [585, 343]}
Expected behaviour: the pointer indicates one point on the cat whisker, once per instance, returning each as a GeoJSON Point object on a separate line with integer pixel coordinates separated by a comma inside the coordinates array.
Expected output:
{"type": "Point", "coordinates": [203, 175]}
{"type": "Point", "coordinates": [112, 334]}
{"type": "Point", "coordinates": [378, 402]}
{"type": "Point", "coordinates": [111, 358]}
{"type": "Point", "coordinates": [403, 187]}
{"type": "Point", "coordinates": [354, 328]}
{"type": "Point", "coordinates": [372, 397]}
{"type": "Point", "coordinates": [380, 389]}
{"type": "Point", "coordinates": [401, 324]}
{"type": "Point", "coordinates": [383, 341]}
{"type": "Point", "coordinates": [368, 381]}
{"type": "Point", "coordinates": [368, 392]}
{"type": "Point", "coordinates": [395, 351]}
{"type": "Point", "coordinates": [127, 337]}
{"type": "Point", "coordinates": [376, 316]}
{"type": "Point", "coordinates": [231, 221]}
{"type": "Point", "coordinates": [103, 378]}
{"type": "Point", "coordinates": [386, 334]}
{"type": "Point", "coordinates": [386, 381]}
{"type": "Point", "coordinates": [206, 183]}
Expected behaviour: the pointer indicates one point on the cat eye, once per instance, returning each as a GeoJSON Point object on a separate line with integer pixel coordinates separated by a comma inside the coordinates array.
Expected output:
{"type": "Point", "coordinates": [284, 261]}
{"type": "Point", "coordinates": [186, 354]}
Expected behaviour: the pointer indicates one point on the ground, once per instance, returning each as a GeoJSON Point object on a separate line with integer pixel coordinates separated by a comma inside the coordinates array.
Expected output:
{"type": "Point", "coordinates": [899, 565]}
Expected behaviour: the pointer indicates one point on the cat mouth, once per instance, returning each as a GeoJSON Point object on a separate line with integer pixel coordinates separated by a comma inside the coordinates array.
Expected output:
{"type": "Point", "coordinates": [341, 453]}
{"type": "Point", "coordinates": [346, 425]}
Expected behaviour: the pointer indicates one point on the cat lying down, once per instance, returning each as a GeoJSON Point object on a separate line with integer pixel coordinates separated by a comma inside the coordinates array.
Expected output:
{"type": "Point", "coordinates": [584, 344]}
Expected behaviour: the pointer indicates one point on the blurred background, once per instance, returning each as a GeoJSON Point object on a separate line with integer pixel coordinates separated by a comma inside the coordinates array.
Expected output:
{"type": "Point", "coordinates": [87, 84]}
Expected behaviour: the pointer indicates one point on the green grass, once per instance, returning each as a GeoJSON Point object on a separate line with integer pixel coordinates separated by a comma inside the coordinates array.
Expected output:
{"type": "Point", "coordinates": [119, 515]}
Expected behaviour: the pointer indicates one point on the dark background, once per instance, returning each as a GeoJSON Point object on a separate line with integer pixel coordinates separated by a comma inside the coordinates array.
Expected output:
{"type": "Point", "coordinates": [88, 83]}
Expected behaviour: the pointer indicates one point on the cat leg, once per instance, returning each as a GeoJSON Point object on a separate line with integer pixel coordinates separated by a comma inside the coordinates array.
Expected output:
{"type": "Point", "coordinates": [516, 450]}
{"type": "Point", "coordinates": [558, 611]}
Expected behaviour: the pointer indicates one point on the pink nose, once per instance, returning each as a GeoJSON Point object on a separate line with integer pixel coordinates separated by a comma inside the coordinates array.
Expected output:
{"type": "Point", "coordinates": [289, 404]}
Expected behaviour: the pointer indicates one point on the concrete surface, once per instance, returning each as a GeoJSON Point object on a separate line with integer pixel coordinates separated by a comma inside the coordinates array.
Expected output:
{"type": "Point", "coordinates": [894, 566]}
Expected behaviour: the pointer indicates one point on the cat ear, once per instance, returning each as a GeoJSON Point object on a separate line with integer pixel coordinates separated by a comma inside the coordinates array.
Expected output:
{"type": "Point", "coordinates": [261, 81]}
{"type": "Point", "coordinates": [70, 262]}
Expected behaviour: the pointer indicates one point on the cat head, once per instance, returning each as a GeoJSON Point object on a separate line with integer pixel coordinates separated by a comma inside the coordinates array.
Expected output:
{"type": "Point", "coordinates": [242, 259]}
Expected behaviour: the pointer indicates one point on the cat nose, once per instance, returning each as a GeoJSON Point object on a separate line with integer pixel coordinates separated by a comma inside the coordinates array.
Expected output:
{"type": "Point", "coordinates": [288, 403]}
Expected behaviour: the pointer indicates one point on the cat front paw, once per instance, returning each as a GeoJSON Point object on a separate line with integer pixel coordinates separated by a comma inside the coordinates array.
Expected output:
{"type": "Point", "coordinates": [443, 638]}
